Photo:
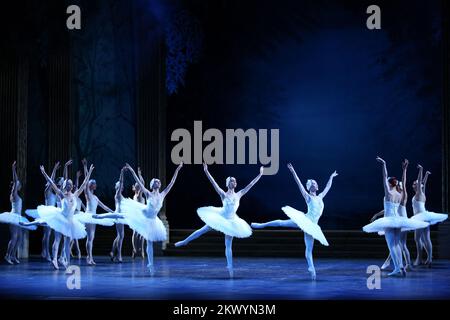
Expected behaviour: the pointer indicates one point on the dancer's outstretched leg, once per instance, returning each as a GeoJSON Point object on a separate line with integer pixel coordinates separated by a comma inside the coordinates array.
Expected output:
{"type": "Point", "coordinates": [229, 254]}
{"type": "Point", "coordinates": [275, 223]}
{"type": "Point", "coordinates": [193, 236]}
{"type": "Point", "coordinates": [150, 257]}
{"type": "Point", "coordinates": [309, 243]}
{"type": "Point", "coordinates": [428, 245]}
{"type": "Point", "coordinates": [55, 249]}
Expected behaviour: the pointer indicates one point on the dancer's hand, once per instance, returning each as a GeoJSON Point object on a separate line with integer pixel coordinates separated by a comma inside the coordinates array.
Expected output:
{"type": "Point", "coordinates": [139, 171]}
{"type": "Point", "coordinates": [128, 167]}
{"type": "Point", "coordinates": [42, 168]}
{"type": "Point", "coordinates": [57, 165]}
{"type": "Point", "coordinates": [334, 174]}
{"type": "Point", "coordinates": [14, 164]}
{"type": "Point", "coordinates": [261, 170]}
{"type": "Point", "coordinates": [428, 172]}
{"type": "Point", "coordinates": [419, 166]}
{"type": "Point", "coordinates": [91, 168]}
{"type": "Point", "coordinates": [205, 167]}
{"type": "Point", "coordinates": [68, 163]}
{"type": "Point", "coordinates": [180, 165]}
{"type": "Point", "coordinates": [78, 174]}
{"type": "Point", "coordinates": [84, 162]}
{"type": "Point", "coordinates": [380, 160]}
{"type": "Point", "coordinates": [290, 167]}
{"type": "Point", "coordinates": [405, 164]}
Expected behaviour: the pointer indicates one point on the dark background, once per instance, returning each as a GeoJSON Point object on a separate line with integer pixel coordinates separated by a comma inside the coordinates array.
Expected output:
{"type": "Point", "coordinates": [339, 93]}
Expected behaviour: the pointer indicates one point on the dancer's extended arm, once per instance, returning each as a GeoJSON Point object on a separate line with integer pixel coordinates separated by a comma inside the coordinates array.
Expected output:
{"type": "Point", "coordinates": [385, 176]}
{"type": "Point", "coordinates": [419, 189]}
{"type": "Point", "coordinates": [252, 183]}
{"type": "Point", "coordinates": [404, 192]}
{"type": "Point", "coordinates": [172, 182]}
{"type": "Point", "coordinates": [66, 169]}
{"type": "Point", "coordinates": [14, 190]}
{"type": "Point", "coordinates": [83, 186]}
{"type": "Point", "coordinates": [299, 183]}
{"type": "Point", "coordinates": [213, 182]}
{"type": "Point", "coordinates": [139, 182]}
{"type": "Point", "coordinates": [425, 179]}
{"type": "Point", "coordinates": [51, 182]}
{"type": "Point", "coordinates": [328, 186]}
{"type": "Point", "coordinates": [377, 215]}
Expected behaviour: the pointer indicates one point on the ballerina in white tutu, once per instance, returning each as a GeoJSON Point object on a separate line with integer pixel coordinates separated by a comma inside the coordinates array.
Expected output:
{"type": "Point", "coordinates": [137, 241]}
{"type": "Point", "coordinates": [80, 206]}
{"type": "Point", "coordinates": [90, 218]}
{"type": "Point", "coordinates": [116, 251]}
{"type": "Point", "coordinates": [50, 200]}
{"type": "Point", "coordinates": [307, 222]}
{"type": "Point", "coordinates": [224, 219]}
{"type": "Point", "coordinates": [144, 218]}
{"type": "Point", "coordinates": [14, 218]}
{"type": "Point", "coordinates": [422, 236]}
{"type": "Point", "coordinates": [413, 224]}
{"type": "Point", "coordinates": [62, 220]}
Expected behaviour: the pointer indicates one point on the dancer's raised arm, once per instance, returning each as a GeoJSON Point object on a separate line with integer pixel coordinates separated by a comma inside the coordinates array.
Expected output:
{"type": "Point", "coordinates": [55, 168]}
{"type": "Point", "coordinates": [14, 189]}
{"type": "Point", "coordinates": [105, 207]}
{"type": "Point", "coordinates": [213, 182]}
{"type": "Point", "coordinates": [252, 183]}
{"type": "Point", "coordinates": [135, 176]}
{"type": "Point", "coordinates": [66, 169]}
{"type": "Point", "coordinates": [51, 182]}
{"type": "Point", "coordinates": [77, 179]}
{"type": "Point", "coordinates": [425, 179]}
{"type": "Point", "coordinates": [385, 176]}
{"type": "Point", "coordinates": [419, 189]}
{"type": "Point", "coordinates": [328, 186]}
{"type": "Point", "coordinates": [297, 180]}
{"type": "Point", "coordinates": [172, 182]}
{"type": "Point", "coordinates": [377, 215]}
{"type": "Point", "coordinates": [118, 194]}
{"type": "Point", "coordinates": [83, 186]}
{"type": "Point", "coordinates": [404, 192]}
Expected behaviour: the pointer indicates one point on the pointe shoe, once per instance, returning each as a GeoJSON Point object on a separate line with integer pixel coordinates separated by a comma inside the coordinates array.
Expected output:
{"type": "Point", "coordinates": [312, 271]}
{"type": "Point", "coordinates": [417, 262]}
{"type": "Point", "coordinates": [7, 259]}
{"type": "Point", "coordinates": [385, 265]}
{"type": "Point", "coordinates": [79, 255]}
{"type": "Point", "coordinates": [151, 269]}
{"type": "Point", "coordinates": [55, 264]}
{"type": "Point", "coordinates": [111, 255]}
{"type": "Point", "coordinates": [396, 273]}
{"type": "Point", "coordinates": [428, 263]}
{"type": "Point", "coordinates": [15, 260]}
{"type": "Point", "coordinates": [133, 254]}
{"type": "Point", "coordinates": [230, 272]}
{"type": "Point", "coordinates": [48, 258]}
{"type": "Point", "coordinates": [179, 244]}
{"type": "Point", "coordinates": [119, 259]}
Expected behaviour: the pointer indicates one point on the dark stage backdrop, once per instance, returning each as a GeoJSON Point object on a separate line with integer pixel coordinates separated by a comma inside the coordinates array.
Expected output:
{"type": "Point", "coordinates": [339, 93]}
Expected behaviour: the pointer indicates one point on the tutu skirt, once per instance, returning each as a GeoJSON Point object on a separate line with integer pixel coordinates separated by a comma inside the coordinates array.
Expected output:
{"type": "Point", "coordinates": [234, 226]}
{"type": "Point", "coordinates": [55, 219]}
{"type": "Point", "coordinates": [88, 218]}
{"type": "Point", "coordinates": [15, 219]}
{"type": "Point", "coordinates": [304, 223]}
{"type": "Point", "coordinates": [431, 217]}
{"type": "Point", "coordinates": [402, 223]}
{"type": "Point", "coordinates": [151, 228]}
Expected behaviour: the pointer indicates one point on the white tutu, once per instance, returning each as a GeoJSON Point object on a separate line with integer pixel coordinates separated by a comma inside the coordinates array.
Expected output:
{"type": "Point", "coordinates": [304, 223]}
{"type": "Point", "coordinates": [32, 213]}
{"type": "Point", "coordinates": [396, 222]}
{"type": "Point", "coordinates": [15, 219]}
{"type": "Point", "coordinates": [88, 218]}
{"type": "Point", "coordinates": [431, 217]}
{"type": "Point", "coordinates": [233, 226]}
{"type": "Point", "coordinates": [55, 219]}
{"type": "Point", "coordinates": [149, 227]}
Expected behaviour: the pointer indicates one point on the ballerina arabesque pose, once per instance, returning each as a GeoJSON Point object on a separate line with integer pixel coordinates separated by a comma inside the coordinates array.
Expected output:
{"type": "Point", "coordinates": [224, 219]}
{"type": "Point", "coordinates": [144, 218]}
{"type": "Point", "coordinates": [401, 187]}
{"type": "Point", "coordinates": [422, 236]}
{"type": "Point", "coordinates": [14, 218]}
{"type": "Point", "coordinates": [62, 220]}
{"type": "Point", "coordinates": [307, 222]}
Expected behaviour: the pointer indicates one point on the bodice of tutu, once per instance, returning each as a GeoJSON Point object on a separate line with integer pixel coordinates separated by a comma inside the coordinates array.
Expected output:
{"type": "Point", "coordinates": [68, 206]}
{"type": "Point", "coordinates": [230, 204]}
{"type": "Point", "coordinates": [418, 206]}
{"type": "Point", "coordinates": [390, 209]}
{"type": "Point", "coordinates": [154, 205]}
{"type": "Point", "coordinates": [78, 207]}
{"type": "Point", "coordinates": [50, 199]}
{"type": "Point", "coordinates": [315, 208]}
{"type": "Point", "coordinates": [16, 206]}
{"type": "Point", "coordinates": [92, 204]}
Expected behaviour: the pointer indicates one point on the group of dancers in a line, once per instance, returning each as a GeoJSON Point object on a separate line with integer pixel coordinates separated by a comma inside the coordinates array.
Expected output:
{"type": "Point", "coordinates": [63, 214]}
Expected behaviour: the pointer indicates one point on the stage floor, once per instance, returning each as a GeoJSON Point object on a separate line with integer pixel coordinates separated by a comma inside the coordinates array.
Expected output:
{"type": "Point", "coordinates": [207, 278]}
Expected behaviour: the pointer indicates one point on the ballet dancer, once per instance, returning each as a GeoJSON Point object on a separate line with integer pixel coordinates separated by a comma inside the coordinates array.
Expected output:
{"type": "Point", "coordinates": [422, 236]}
{"type": "Point", "coordinates": [14, 218]}
{"type": "Point", "coordinates": [116, 251]}
{"type": "Point", "coordinates": [90, 217]}
{"type": "Point", "coordinates": [391, 224]}
{"type": "Point", "coordinates": [224, 219]}
{"type": "Point", "coordinates": [62, 220]}
{"type": "Point", "coordinates": [137, 240]}
{"type": "Point", "coordinates": [401, 187]}
{"type": "Point", "coordinates": [144, 218]}
{"type": "Point", "coordinates": [80, 206]}
{"type": "Point", "coordinates": [50, 200]}
{"type": "Point", "coordinates": [307, 222]}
